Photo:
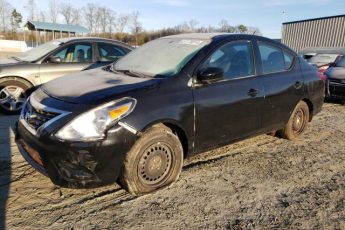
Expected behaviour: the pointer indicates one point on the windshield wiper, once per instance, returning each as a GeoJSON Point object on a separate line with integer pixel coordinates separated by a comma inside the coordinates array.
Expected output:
{"type": "Point", "coordinates": [132, 73]}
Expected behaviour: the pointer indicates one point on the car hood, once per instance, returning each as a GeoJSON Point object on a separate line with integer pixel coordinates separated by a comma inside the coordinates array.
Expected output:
{"type": "Point", "coordinates": [9, 62]}
{"type": "Point", "coordinates": [94, 86]}
{"type": "Point", "coordinates": [336, 72]}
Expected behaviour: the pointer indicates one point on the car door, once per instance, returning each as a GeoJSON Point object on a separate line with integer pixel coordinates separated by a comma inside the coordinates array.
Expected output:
{"type": "Point", "coordinates": [282, 80]}
{"type": "Point", "coordinates": [108, 53]}
{"type": "Point", "coordinates": [231, 108]}
{"type": "Point", "coordinates": [74, 57]}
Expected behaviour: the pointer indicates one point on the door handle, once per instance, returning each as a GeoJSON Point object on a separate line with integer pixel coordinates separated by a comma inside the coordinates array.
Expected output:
{"type": "Point", "coordinates": [252, 92]}
{"type": "Point", "coordinates": [298, 85]}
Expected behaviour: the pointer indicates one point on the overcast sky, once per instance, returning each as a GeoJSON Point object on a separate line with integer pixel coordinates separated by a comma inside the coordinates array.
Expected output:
{"type": "Point", "coordinates": [267, 15]}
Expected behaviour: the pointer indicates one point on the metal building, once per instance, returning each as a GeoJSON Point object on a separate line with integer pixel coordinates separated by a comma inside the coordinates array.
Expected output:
{"type": "Point", "coordinates": [316, 32]}
{"type": "Point", "coordinates": [56, 29]}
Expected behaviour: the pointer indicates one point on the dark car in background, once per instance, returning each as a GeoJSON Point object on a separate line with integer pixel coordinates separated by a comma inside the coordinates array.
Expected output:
{"type": "Point", "coordinates": [134, 123]}
{"type": "Point", "coordinates": [335, 83]}
{"type": "Point", "coordinates": [19, 75]}
{"type": "Point", "coordinates": [322, 57]}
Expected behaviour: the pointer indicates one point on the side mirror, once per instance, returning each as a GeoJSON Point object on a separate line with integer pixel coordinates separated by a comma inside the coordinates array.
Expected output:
{"type": "Point", "coordinates": [210, 74]}
{"type": "Point", "coordinates": [54, 59]}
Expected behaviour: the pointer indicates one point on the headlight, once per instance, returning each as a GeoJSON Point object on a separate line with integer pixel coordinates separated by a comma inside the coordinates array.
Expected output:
{"type": "Point", "coordinates": [92, 125]}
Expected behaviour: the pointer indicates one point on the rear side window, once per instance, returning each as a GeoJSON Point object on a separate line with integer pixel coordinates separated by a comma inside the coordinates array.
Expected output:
{"type": "Point", "coordinates": [109, 52]}
{"type": "Point", "coordinates": [236, 60]}
{"type": "Point", "coordinates": [274, 59]}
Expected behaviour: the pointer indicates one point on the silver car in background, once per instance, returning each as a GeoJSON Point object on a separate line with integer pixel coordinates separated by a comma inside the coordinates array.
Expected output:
{"type": "Point", "coordinates": [21, 74]}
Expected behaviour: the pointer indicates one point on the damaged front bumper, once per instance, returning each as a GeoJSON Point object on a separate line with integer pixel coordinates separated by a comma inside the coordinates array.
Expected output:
{"type": "Point", "coordinates": [77, 164]}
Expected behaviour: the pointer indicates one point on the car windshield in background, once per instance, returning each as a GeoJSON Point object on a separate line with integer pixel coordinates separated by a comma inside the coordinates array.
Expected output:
{"type": "Point", "coordinates": [323, 58]}
{"type": "Point", "coordinates": [340, 62]}
{"type": "Point", "coordinates": [162, 57]}
{"type": "Point", "coordinates": [38, 52]}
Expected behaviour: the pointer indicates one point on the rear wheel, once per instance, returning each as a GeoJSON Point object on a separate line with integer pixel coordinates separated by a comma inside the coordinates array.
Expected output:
{"type": "Point", "coordinates": [297, 123]}
{"type": "Point", "coordinates": [154, 162]}
{"type": "Point", "coordinates": [13, 95]}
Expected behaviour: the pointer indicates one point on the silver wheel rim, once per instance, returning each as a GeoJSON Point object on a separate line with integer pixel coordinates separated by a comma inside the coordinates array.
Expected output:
{"type": "Point", "coordinates": [12, 98]}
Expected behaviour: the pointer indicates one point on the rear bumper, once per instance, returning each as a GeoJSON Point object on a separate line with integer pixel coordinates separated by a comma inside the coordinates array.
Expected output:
{"type": "Point", "coordinates": [76, 164]}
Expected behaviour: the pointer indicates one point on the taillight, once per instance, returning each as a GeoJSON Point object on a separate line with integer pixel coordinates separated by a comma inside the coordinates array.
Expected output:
{"type": "Point", "coordinates": [321, 75]}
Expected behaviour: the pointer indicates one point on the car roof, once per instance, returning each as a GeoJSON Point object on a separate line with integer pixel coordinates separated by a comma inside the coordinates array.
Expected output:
{"type": "Point", "coordinates": [200, 36]}
{"type": "Point", "coordinates": [94, 39]}
{"type": "Point", "coordinates": [216, 36]}
{"type": "Point", "coordinates": [210, 36]}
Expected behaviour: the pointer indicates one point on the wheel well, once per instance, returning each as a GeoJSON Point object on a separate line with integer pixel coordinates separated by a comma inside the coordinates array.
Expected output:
{"type": "Point", "coordinates": [310, 107]}
{"type": "Point", "coordinates": [16, 78]}
{"type": "Point", "coordinates": [179, 132]}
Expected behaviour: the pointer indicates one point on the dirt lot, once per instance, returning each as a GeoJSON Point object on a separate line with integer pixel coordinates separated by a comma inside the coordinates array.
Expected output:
{"type": "Point", "coordinates": [262, 182]}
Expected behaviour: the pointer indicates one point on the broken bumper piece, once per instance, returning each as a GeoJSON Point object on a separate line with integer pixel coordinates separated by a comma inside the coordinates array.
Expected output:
{"type": "Point", "coordinates": [77, 164]}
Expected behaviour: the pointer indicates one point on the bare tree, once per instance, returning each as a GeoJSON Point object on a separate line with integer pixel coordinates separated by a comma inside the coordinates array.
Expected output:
{"type": "Point", "coordinates": [32, 8]}
{"type": "Point", "coordinates": [5, 14]}
{"type": "Point", "coordinates": [77, 17]}
{"type": "Point", "coordinates": [122, 23]}
{"type": "Point", "coordinates": [97, 21]}
{"type": "Point", "coordinates": [192, 25]}
{"type": "Point", "coordinates": [66, 10]}
{"type": "Point", "coordinates": [135, 25]}
{"type": "Point", "coordinates": [42, 17]}
{"type": "Point", "coordinates": [226, 27]}
{"type": "Point", "coordinates": [253, 30]}
{"type": "Point", "coordinates": [111, 21]}
{"type": "Point", "coordinates": [89, 12]}
{"type": "Point", "coordinates": [53, 11]}
{"type": "Point", "coordinates": [103, 15]}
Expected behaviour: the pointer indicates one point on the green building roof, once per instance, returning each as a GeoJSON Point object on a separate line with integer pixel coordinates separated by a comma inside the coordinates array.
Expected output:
{"type": "Point", "coordinates": [49, 27]}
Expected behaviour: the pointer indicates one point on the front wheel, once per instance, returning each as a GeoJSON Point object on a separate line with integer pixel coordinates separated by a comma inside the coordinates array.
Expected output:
{"type": "Point", "coordinates": [154, 162]}
{"type": "Point", "coordinates": [297, 123]}
{"type": "Point", "coordinates": [13, 95]}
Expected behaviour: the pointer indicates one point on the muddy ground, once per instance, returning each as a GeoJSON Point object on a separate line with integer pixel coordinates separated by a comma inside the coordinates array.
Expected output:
{"type": "Point", "coordinates": [263, 182]}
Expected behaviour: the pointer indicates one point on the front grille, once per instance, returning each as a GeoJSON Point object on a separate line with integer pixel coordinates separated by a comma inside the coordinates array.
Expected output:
{"type": "Point", "coordinates": [337, 81]}
{"type": "Point", "coordinates": [35, 118]}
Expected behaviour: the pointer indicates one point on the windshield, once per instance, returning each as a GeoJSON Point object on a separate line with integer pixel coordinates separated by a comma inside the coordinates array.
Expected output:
{"type": "Point", "coordinates": [340, 62]}
{"type": "Point", "coordinates": [323, 58]}
{"type": "Point", "coordinates": [39, 51]}
{"type": "Point", "coordinates": [162, 57]}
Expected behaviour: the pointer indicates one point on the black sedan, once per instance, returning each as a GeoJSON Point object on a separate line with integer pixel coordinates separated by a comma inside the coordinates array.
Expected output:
{"type": "Point", "coordinates": [135, 122]}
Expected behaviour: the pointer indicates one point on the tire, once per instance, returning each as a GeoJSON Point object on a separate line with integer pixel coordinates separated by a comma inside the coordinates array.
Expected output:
{"type": "Point", "coordinates": [144, 170]}
{"type": "Point", "coordinates": [13, 95]}
{"type": "Point", "coordinates": [297, 123]}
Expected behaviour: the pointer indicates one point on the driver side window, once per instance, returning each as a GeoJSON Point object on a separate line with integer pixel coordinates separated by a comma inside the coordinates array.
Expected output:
{"type": "Point", "coordinates": [76, 53]}
{"type": "Point", "coordinates": [236, 60]}
{"type": "Point", "coordinates": [62, 54]}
